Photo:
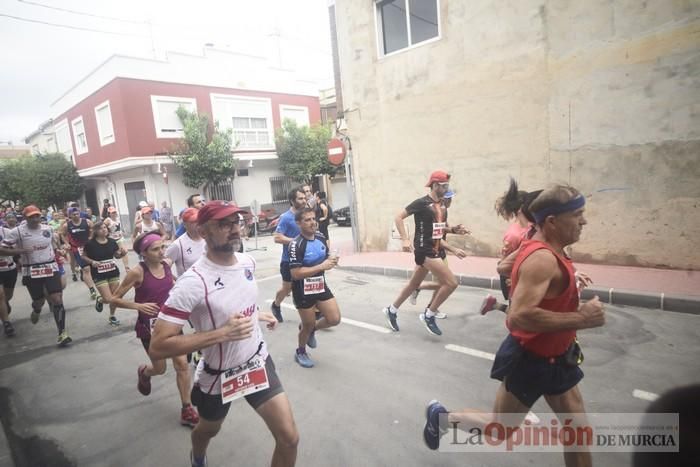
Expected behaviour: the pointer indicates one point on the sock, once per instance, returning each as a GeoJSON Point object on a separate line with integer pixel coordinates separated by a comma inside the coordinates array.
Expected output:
{"type": "Point", "coordinates": [393, 309]}
{"type": "Point", "coordinates": [429, 313]}
{"type": "Point", "coordinates": [59, 315]}
{"type": "Point", "coordinates": [198, 460]}
{"type": "Point", "coordinates": [301, 350]}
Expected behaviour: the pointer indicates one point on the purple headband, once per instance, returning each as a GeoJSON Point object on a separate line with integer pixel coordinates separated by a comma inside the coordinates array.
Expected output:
{"type": "Point", "coordinates": [571, 205]}
{"type": "Point", "coordinates": [147, 241]}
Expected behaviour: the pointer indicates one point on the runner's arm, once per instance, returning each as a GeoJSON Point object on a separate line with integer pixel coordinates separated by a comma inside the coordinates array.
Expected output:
{"type": "Point", "coordinates": [535, 276]}
{"type": "Point", "coordinates": [133, 277]}
{"type": "Point", "coordinates": [324, 213]}
{"type": "Point", "coordinates": [505, 265]}
{"type": "Point", "coordinates": [282, 239]}
{"type": "Point", "coordinates": [458, 252]}
{"type": "Point", "coordinates": [398, 220]}
{"type": "Point", "coordinates": [166, 340]}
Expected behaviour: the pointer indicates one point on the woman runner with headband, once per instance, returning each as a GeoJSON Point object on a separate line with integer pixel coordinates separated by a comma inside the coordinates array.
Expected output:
{"type": "Point", "coordinates": [152, 280]}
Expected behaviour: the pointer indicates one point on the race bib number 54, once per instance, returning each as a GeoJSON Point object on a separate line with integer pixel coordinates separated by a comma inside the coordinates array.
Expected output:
{"type": "Point", "coordinates": [244, 380]}
{"type": "Point", "coordinates": [439, 229]}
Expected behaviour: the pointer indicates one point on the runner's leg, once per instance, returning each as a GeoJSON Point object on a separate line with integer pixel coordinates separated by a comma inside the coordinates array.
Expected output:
{"type": "Point", "coordinates": [282, 293]}
{"type": "Point", "coordinates": [308, 323]}
{"type": "Point", "coordinates": [414, 282]}
{"type": "Point", "coordinates": [182, 377]}
{"type": "Point", "coordinates": [277, 414]}
{"type": "Point", "coordinates": [202, 434]}
{"type": "Point", "coordinates": [571, 402]}
{"type": "Point", "coordinates": [445, 277]}
{"type": "Point", "coordinates": [331, 313]}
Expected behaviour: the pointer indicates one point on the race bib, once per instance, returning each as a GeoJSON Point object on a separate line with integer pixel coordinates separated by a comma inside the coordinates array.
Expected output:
{"type": "Point", "coordinates": [106, 266]}
{"type": "Point", "coordinates": [244, 380]}
{"type": "Point", "coordinates": [314, 285]}
{"type": "Point", "coordinates": [439, 229]}
{"type": "Point", "coordinates": [40, 270]}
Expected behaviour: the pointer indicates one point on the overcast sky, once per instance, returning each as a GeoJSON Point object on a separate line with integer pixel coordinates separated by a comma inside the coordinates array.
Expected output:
{"type": "Point", "coordinates": [39, 62]}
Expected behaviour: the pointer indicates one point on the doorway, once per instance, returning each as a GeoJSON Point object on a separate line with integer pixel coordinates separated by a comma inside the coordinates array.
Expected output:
{"type": "Point", "coordinates": [135, 192]}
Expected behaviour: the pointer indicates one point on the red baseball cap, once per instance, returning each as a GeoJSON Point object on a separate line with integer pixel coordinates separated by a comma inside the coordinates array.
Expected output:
{"type": "Point", "coordinates": [215, 210]}
{"type": "Point", "coordinates": [190, 215]}
{"type": "Point", "coordinates": [439, 176]}
{"type": "Point", "coordinates": [30, 210]}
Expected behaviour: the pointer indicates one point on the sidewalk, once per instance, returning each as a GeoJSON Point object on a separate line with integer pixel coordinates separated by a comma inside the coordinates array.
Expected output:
{"type": "Point", "coordinates": [670, 290]}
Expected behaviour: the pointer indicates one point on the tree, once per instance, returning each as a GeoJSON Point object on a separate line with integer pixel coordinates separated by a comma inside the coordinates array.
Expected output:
{"type": "Point", "coordinates": [204, 160]}
{"type": "Point", "coordinates": [303, 151]}
{"type": "Point", "coordinates": [44, 180]}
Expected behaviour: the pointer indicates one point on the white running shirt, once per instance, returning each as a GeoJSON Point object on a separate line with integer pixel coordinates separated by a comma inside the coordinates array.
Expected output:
{"type": "Point", "coordinates": [38, 240]}
{"type": "Point", "coordinates": [208, 295]}
{"type": "Point", "coordinates": [185, 252]}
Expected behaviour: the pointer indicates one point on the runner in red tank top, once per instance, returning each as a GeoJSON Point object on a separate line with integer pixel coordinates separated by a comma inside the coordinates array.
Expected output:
{"type": "Point", "coordinates": [539, 357]}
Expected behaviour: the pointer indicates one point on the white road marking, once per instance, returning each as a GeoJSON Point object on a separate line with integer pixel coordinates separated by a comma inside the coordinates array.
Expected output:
{"type": "Point", "coordinates": [472, 352]}
{"type": "Point", "coordinates": [363, 325]}
{"type": "Point", "coordinates": [276, 276]}
{"type": "Point", "coordinates": [644, 395]}
{"type": "Point", "coordinates": [351, 322]}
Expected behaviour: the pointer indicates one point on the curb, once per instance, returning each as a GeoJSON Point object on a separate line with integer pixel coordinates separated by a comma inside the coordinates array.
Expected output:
{"type": "Point", "coordinates": [659, 301]}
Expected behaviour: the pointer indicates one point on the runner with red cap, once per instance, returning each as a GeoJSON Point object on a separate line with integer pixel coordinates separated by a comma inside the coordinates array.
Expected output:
{"type": "Point", "coordinates": [430, 216]}
{"type": "Point", "coordinates": [219, 295]}
{"type": "Point", "coordinates": [34, 241]}
{"type": "Point", "coordinates": [152, 280]}
{"type": "Point", "coordinates": [190, 246]}
{"type": "Point", "coordinates": [540, 355]}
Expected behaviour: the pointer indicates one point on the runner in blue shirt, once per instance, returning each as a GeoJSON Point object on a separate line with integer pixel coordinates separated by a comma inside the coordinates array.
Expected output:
{"type": "Point", "coordinates": [308, 263]}
{"type": "Point", "coordinates": [286, 231]}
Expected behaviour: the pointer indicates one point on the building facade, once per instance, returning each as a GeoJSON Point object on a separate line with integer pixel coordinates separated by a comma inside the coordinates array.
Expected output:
{"type": "Point", "coordinates": [119, 125]}
{"type": "Point", "coordinates": [601, 95]}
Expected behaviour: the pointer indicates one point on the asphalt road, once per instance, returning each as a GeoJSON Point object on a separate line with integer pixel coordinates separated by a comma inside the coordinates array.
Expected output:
{"type": "Point", "coordinates": [362, 405]}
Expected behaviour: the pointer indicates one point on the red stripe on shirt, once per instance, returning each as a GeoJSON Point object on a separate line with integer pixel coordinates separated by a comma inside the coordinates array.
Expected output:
{"type": "Point", "coordinates": [166, 310]}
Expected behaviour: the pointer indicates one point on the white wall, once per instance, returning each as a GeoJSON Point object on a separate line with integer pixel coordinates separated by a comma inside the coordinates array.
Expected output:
{"type": "Point", "coordinates": [256, 186]}
{"type": "Point", "coordinates": [339, 193]}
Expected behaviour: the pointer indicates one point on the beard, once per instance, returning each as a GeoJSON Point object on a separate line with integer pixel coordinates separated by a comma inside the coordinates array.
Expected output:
{"type": "Point", "coordinates": [228, 247]}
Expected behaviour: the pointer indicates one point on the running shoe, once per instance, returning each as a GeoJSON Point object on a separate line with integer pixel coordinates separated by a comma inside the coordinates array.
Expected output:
{"type": "Point", "coordinates": [93, 294]}
{"type": "Point", "coordinates": [432, 430]}
{"type": "Point", "coordinates": [488, 304]}
{"type": "Point", "coordinates": [414, 296]}
{"type": "Point", "coordinates": [440, 315]}
{"type": "Point", "coordinates": [391, 318]}
{"type": "Point", "coordinates": [430, 324]}
{"type": "Point", "coordinates": [114, 321]}
{"type": "Point", "coordinates": [75, 278]}
{"type": "Point", "coordinates": [144, 384]}
{"type": "Point", "coordinates": [189, 416]}
{"type": "Point", "coordinates": [303, 360]}
{"type": "Point", "coordinates": [63, 339]}
{"type": "Point", "coordinates": [99, 306]}
{"type": "Point", "coordinates": [9, 329]}
{"type": "Point", "coordinates": [277, 312]}
{"type": "Point", "coordinates": [198, 464]}
{"type": "Point", "coordinates": [34, 317]}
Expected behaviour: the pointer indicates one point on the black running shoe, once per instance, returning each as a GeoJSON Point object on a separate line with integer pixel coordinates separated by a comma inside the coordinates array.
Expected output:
{"type": "Point", "coordinates": [391, 318]}
{"type": "Point", "coordinates": [432, 430]}
{"type": "Point", "coordinates": [9, 329]}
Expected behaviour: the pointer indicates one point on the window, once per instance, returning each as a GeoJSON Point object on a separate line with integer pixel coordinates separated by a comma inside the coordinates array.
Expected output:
{"type": "Point", "coordinates": [103, 115]}
{"type": "Point", "coordinates": [405, 23]}
{"type": "Point", "coordinates": [280, 187]}
{"type": "Point", "coordinates": [79, 137]}
{"type": "Point", "coordinates": [300, 115]}
{"type": "Point", "coordinates": [242, 172]}
{"type": "Point", "coordinates": [63, 143]}
{"type": "Point", "coordinates": [167, 123]}
{"type": "Point", "coordinates": [250, 118]}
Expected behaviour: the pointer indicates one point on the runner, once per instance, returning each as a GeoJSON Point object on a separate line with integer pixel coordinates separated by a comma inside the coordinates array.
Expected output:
{"type": "Point", "coordinates": [137, 216]}
{"type": "Point", "coordinates": [100, 253]}
{"type": "Point", "coordinates": [116, 233]}
{"type": "Point", "coordinates": [166, 219]}
{"type": "Point", "coordinates": [286, 231]}
{"type": "Point", "coordinates": [323, 214]}
{"type": "Point", "coordinates": [218, 294]}
{"type": "Point", "coordinates": [308, 261]}
{"type": "Point", "coordinates": [34, 242]}
{"type": "Point", "coordinates": [458, 252]}
{"type": "Point", "coordinates": [540, 356]}
{"type": "Point", "coordinates": [430, 217]}
{"type": "Point", "coordinates": [310, 199]}
{"type": "Point", "coordinates": [188, 248]}
{"type": "Point", "coordinates": [147, 224]}
{"type": "Point", "coordinates": [8, 279]}
{"type": "Point", "coordinates": [193, 201]}
{"type": "Point", "coordinates": [152, 280]}
{"type": "Point", "coordinates": [77, 232]}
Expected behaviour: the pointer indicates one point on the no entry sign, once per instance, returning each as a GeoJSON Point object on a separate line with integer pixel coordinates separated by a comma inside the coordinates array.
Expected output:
{"type": "Point", "coordinates": [336, 152]}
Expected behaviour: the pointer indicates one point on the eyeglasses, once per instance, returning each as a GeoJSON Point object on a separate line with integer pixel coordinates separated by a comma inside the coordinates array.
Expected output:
{"type": "Point", "coordinates": [228, 225]}
{"type": "Point", "coordinates": [444, 184]}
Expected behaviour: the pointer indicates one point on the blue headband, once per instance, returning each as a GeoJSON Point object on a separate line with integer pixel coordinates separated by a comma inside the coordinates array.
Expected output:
{"type": "Point", "coordinates": [571, 205]}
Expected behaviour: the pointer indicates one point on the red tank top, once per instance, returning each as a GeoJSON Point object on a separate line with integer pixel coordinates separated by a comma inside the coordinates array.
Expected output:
{"type": "Point", "coordinates": [547, 344]}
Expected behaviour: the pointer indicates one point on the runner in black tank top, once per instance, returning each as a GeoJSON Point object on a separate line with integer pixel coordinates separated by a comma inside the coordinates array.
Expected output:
{"type": "Point", "coordinates": [76, 232]}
